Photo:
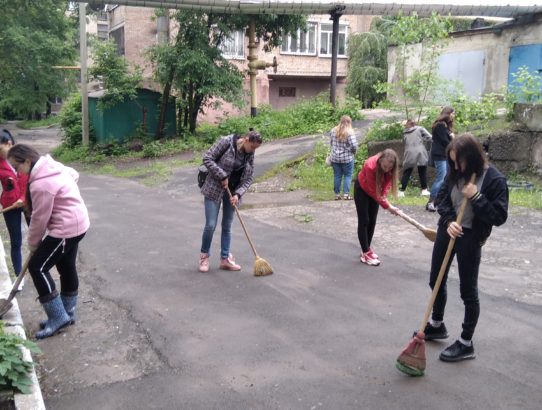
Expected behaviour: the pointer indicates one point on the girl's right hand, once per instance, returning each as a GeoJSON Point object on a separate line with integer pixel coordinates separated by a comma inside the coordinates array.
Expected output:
{"type": "Point", "coordinates": [18, 204]}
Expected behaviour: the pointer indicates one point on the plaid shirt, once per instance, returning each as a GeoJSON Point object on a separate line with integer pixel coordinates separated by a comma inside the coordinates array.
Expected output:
{"type": "Point", "coordinates": [343, 152]}
{"type": "Point", "coordinates": [219, 160]}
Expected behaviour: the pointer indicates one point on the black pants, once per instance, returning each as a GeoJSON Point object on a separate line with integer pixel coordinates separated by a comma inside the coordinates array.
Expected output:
{"type": "Point", "coordinates": [61, 253]}
{"type": "Point", "coordinates": [422, 172]}
{"type": "Point", "coordinates": [367, 210]}
{"type": "Point", "coordinates": [469, 253]}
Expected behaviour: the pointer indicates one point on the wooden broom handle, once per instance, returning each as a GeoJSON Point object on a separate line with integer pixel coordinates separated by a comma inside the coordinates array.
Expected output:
{"type": "Point", "coordinates": [411, 220]}
{"type": "Point", "coordinates": [445, 261]}
{"type": "Point", "coordinates": [243, 225]}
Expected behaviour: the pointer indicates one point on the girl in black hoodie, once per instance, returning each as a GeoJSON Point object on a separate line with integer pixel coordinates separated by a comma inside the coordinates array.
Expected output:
{"type": "Point", "coordinates": [487, 206]}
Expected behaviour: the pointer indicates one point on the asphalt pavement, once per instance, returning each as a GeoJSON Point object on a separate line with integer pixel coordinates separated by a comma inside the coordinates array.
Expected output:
{"type": "Point", "coordinates": [323, 332]}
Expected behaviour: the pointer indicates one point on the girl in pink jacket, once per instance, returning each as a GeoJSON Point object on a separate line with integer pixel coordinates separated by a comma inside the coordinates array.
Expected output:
{"type": "Point", "coordinates": [58, 222]}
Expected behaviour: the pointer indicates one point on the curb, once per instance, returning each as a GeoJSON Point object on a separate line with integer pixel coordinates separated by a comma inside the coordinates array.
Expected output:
{"type": "Point", "coordinates": [13, 323]}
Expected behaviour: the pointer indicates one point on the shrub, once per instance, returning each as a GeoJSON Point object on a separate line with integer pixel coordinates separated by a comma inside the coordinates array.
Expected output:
{"type": "Point", "coordinates": [71, 122]}
{"type": "Point", "coordinates": [13, 368]}
{"type": "Point", "coordinates": [385, 131]}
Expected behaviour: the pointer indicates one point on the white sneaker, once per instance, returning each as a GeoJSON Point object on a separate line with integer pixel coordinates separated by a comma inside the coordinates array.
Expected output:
{"type": "Point", "coordinates": [425, 192]}
{"type": "Point", "coordinates": [21, 286]}
{"type": "Point", "coordinates": [400, 194]}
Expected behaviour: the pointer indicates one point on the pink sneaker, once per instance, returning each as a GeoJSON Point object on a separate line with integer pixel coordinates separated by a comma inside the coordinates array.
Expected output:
{"type": "Point", "coordinates": [229, 263]}
{"type": "Point", "coordinates": [366, 258]}
{"type": "Point", "coordinates": [204, 262]}
{"type": "Point", "coordinates": [372, 254]}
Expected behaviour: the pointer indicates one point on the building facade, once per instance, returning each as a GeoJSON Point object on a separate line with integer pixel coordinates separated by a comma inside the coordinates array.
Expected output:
{"type": "Point", "coordinates": [304, 63]}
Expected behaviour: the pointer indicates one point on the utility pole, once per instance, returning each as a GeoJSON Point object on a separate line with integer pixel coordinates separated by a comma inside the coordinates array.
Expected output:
{"type": "Point", "coordinates": [83, 56]}
{"type": "Point", "coordinates": [336, 14]}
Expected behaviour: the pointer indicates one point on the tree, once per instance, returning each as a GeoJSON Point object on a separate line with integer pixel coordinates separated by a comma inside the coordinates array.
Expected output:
{"type": "Point", "coordinates": [193, 65]}
{"type": "Point", "coordinates": [367, 66]}
{"type": "Point", "coordinates": [112, 70]}
{"type": "Point", "coordinates": [34, 37]}
{"type": "Point", "coordinates": [416, 78]}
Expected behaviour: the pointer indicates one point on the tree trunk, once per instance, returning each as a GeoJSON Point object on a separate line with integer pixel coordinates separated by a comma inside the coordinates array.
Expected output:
{"type": "Point", "coordinates": [163, 107]}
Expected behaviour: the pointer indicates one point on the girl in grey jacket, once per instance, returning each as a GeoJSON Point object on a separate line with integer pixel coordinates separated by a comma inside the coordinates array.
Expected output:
{"type": "Point", "coordinates": [230, 162]}
{"type": "Point", "coordinates": [415, 138]}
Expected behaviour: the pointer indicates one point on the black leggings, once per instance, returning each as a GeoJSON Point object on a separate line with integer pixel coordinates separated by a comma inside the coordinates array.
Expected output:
{"type": "Point", "coordinates": [469, 254]}
{"type": "Point", "coordinates": [59, 252]}
{"type": "Point", "coordinates": [422, 172]}
{"type": "Point", "coordinates": [367, 210]}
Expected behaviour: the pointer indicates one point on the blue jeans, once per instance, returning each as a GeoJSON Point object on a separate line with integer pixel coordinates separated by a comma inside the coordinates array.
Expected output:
{"type": "Point", "coordinates": [341, 170]}
{"type": "Point", "coordinates": [13, 223]}
{"type": "Point", "coordinates": [211, 217]}
{"type": "Point", "coordinates": [442, 169]}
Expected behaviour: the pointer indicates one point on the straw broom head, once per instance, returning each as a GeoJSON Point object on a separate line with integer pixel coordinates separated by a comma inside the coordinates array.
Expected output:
{"type": "Point", "coordinates": [262, 267]}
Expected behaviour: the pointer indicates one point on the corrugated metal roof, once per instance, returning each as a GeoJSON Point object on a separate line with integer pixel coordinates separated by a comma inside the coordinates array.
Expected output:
{"type": "Point", "coordinates": [496, 8]}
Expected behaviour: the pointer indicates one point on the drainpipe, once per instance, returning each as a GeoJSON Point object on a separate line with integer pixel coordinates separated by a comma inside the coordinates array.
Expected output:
{"type": "Point", "coordinates": [83, 57]}
{"type": "Point", "coordinates": [254, 65]}
{"type": "Point", "coordinates": [335, 16]}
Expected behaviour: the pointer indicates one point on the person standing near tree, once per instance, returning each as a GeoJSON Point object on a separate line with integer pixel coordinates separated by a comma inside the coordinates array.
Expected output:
{"type": "Point", "coordinates": [59, 221]}
{"type": "Point", "coordinates": [13, 194]}
{"type": "Point", "coordinates": [442, 136]}
{"type": "Point", "coordinates": [487, 206]}
{"type": "Point", "coordinates": [415, 155]}
{"type": "Point", "coordinates": [343, 148]}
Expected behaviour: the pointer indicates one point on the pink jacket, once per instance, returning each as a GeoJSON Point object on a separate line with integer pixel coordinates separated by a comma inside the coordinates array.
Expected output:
{"type": "Point", "coordinates": [57, 205]}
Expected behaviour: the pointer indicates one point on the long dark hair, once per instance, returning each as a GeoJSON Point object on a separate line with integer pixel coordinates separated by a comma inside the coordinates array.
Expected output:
{"type": "Point", "coordinates": [445, 118]}
{"type": "Point", "coordinates": [5, 137]}
{"type": "Point", "coordinates": [468, 151]}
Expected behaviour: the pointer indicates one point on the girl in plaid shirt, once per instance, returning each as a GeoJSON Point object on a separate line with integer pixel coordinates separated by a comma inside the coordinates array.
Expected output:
{"type": "Point", "coordinates": [343, 148]}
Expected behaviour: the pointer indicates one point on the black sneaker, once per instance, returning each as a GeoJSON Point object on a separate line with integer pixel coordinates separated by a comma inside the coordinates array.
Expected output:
{"type": "Point", "coordinates": [457, 352]}
{"type": "Point", "coordinates": [433, 333]}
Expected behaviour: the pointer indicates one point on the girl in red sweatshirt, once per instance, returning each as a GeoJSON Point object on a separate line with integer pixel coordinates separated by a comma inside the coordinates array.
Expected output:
{"type": "Point", "coordinates": [378, 175]}
{"type": "Point", "coordinates": [13, 194]}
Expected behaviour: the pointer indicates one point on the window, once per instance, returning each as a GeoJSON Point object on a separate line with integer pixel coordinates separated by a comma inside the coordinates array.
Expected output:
{"type": "Point", "coordinates": [286, 91]}
{"type": "Point", "coordinates": [326, 32]}
{"type": "Point", "coordinates": [118, 36]}
{"type": "Point", "coordinates": [102, 31]}
{"type": "Point", "coordinates": [234, 46]}
{"type": "Point", "coordinates": [304, 42]}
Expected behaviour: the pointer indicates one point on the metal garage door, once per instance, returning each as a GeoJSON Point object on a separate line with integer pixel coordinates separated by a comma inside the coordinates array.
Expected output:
{"type": "Point", "coordinates": [467, 67]}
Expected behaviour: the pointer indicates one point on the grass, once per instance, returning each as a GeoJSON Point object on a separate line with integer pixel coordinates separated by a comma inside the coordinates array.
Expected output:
{"type": "Point", "coordinates": [47, 122]}
{"type": "Point", "coordinates": [310, 172]}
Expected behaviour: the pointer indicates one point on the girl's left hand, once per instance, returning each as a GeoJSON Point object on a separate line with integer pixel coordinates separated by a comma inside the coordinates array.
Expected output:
{"type": "Point", "coordinates": [18, 204]}
{"type": "Point", "coordinates": [234, 200]}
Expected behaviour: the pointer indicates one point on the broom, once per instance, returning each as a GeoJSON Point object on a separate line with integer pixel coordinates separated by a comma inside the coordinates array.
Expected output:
{"type": "Point", "coordinates": [261, 266]}
{"type": "Point", "coordinates": [430, 234]}
{"type": "Point", "coordinates": [411, 361]}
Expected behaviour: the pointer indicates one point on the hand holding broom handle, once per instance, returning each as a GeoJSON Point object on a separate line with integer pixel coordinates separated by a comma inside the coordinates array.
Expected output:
{"type": "Point", "coordinates": [445, 262]}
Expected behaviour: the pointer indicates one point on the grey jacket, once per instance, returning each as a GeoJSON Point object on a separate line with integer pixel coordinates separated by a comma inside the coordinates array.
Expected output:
{"type": "Point", "coordinates": [416, 154]}
{"type": "Point", "coordinates": [219, 160]}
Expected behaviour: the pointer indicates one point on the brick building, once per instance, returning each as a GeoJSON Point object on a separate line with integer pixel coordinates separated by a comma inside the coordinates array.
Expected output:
{"type": "Point", "coordinates": [304, 68]}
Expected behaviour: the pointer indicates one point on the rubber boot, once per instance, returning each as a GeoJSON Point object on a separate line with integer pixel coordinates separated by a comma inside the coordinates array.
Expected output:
{"type": "Point", "coordinates": [57, 318]}
{"type": "Point", "coordinates": [69, 303]}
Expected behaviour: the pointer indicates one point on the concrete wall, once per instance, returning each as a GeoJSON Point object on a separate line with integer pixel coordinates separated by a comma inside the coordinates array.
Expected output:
{"type": "Point", "coordinates": [496, 45]}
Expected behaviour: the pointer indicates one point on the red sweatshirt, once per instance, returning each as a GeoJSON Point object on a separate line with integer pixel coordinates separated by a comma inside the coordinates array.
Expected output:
{"type": "Point", "coordinates": [13, 185]}
{"type": "Point", "coordinates": [367, 180]}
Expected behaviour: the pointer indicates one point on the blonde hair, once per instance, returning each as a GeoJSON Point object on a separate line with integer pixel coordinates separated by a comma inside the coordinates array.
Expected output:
{"type": "Point", "coordinates": [344, 129]}
{"type": "Point", "coordinates": [389, 155]}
